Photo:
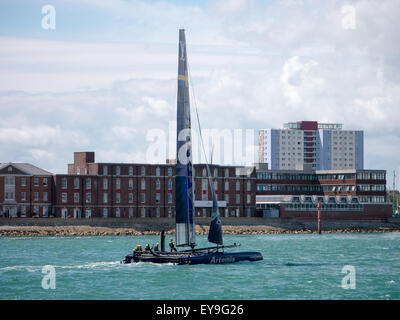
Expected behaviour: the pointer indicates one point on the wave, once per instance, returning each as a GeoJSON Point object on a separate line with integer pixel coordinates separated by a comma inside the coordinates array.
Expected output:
{"type": "Point", "coordinates": [21, 268]}
{"type": "Point", "coordinates": [91, 265]}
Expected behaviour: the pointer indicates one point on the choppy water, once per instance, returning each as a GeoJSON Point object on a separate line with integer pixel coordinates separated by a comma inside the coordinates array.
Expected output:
{"type": "Point", "coordinates": [304, 266]}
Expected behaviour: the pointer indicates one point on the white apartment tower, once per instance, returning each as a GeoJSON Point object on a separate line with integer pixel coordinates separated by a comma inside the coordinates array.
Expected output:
{"type": "Point", "coordinates": [322, 146]}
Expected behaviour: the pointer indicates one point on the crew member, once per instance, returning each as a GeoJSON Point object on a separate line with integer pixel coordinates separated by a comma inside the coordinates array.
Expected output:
{"type": "Point", "coordinates": [172, 245]}
{"type": "Point", "coordinates": [138, 249]}
{"type": "Point", "coordinates": [156, 248]}
{"type": "Point", "coordinates": [147, 248]}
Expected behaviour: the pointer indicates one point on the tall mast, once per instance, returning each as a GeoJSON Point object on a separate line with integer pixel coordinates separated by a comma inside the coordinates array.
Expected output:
{"type": "Point", "coordinates": [185, 230]}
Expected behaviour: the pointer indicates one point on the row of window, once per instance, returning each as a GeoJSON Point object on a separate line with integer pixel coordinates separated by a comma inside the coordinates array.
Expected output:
{"type": "Point", "coordinates": [316, 177]}
{"type": "Point", "coordinates": [118, 213]}
{"type": "Point", "coordinates": [88, 197]}
{"type": "Point", "coordinates": [321, 188]}
{"type": "Point", "coordinates": [11, 196]}
{"type": "Point", "coordinates": [142, 171]}
{"type": "Point", "coordinates": [64, 184]}
{"type": "Point", "coordinates": [169, 171]}
{"type": "Point", "coordinates": [10, 181]}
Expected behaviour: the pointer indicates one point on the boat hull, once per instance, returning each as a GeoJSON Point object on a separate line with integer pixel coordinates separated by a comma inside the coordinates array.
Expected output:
{"type": "Point", "coordinates": [221, 258]}
{"type": "Point", "coordinates": [191, 259]}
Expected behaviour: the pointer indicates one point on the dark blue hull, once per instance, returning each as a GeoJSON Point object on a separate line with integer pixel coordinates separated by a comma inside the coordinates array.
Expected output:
{"type": "Point", "coordinates": [221, 257]}
{"type": "Point", "coordinates": [195, 258]}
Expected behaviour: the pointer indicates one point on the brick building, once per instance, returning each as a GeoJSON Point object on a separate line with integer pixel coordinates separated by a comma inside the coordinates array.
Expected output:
{"type": "Point", "coordinates": [25, 190]}
{"type": "Point", "coordinates": [134, 190]}
{"type": "Point", "coordinates": [92, 189]}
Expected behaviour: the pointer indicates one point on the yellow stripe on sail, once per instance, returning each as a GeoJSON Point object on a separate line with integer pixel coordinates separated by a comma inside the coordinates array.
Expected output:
{"type": "Point", "coordinates": [181, 77]}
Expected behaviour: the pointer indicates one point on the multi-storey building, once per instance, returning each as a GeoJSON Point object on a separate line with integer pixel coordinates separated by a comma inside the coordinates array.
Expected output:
{"type": "Point", "coordinates": [132, 190]}
{"type": "Point", "coordinates": [93, 189]}
{"type": "Point", "coordinates": [343, 194]}
{"type": "Point", "coordinates": [25, 190]}
{"type": "Point", "coordinates": [322, 146]}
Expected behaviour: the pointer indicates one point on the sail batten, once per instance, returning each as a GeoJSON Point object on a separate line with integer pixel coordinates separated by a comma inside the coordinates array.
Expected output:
{"type": "Point", "coordinates": [185, 230]}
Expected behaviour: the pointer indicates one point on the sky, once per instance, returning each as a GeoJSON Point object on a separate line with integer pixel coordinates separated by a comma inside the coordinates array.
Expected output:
{"type": "Point", "coordinates": [96, 75]}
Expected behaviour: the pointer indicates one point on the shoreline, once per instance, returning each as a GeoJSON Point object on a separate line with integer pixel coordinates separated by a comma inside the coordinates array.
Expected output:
{"type": "Point", "coordinates": [136, 227]}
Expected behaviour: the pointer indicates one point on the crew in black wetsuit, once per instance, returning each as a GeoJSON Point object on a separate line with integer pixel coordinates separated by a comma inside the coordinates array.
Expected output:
{"type": "Point", "coordinates": [147, 248]}
{"type": "Point", "coordinates": [138, 249]}
{"type": "Point", "coordinates": [156, 248]}
{"type": "Point", "coordinates": [172, 245]}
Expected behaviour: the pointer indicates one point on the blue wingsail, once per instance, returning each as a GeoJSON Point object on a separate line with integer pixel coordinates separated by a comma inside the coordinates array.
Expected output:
{"type": "Point", "coordinates": [185, 230]}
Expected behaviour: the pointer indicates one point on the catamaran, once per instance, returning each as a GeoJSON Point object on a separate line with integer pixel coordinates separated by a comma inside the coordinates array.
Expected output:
{"type": "Point", "coordinates": [184, 199]}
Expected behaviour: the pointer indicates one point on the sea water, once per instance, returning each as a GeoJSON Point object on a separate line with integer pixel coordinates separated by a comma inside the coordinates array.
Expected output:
{"type": "Point", "coordinates": [295, 266]}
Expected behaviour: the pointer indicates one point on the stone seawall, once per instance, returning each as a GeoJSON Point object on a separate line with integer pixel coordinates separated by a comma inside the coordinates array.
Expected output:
{"type": "Point", "coordinates": [129, 227]}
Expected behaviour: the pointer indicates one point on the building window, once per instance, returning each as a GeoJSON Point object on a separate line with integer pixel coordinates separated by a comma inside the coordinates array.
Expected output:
{"type": "Point", "coordinates": [170, 171]}
{"type": "Point", "coordinates": [142, 198]}
{"type": "Point", "coordinates": [226, 185]}
{"type": "Point", "coordinates": [35, 196]}
{"type": "Point", "coordinates": [143, 212]}
{"type": "Point", "coordinates": [45, 182]}
{"type": "Point", "coordinates": [64, 183]}
{"type": "Point", "coordinates": [130, 186]}
{"type": "Point", "coordinates": [169, 212]}
{"type": "Point", "coordinates": [237, 185]}
{"type": "Point", "coordinates": [215, 173]}
{"type": "Point", "coordinates": [169, 184]}
{"type": "Point", "coordinates": [227, 198]}
{"type": "Point", "coordinates": [118, 171]}
{"type": "Point", "coordinates": [143, 184]}
{"type": "Point", "coordinates": [157, 198]}
{"type": "Point", "coordinates": [105, 212]}
{"type": "Point", "coordinates": [204, 184]}
{"type": "Point", "coordinates": [88, 183]}
{"type": "Point", "coordinates": [88, 197]}
{"type": "Point", "coordinates": [158, 184]}
{"type": "Point", "coordinates": [44, 196]}
{"type": "Point", "coordinates": [117, 212]}
{"type": "Point", "coordinates": [158, 212]}
{"type": "Point", "coordinates": [36, 182]}
{"type": "Point", "coordinates": [130, 171]}
{"type": "Point", "coordinates": [23, 182]}
{"type": "Point", "coordinates": [64, 197]}
{"type": "Point", "coordinates": [143, 171]}
{"type": "Point", "coordinates": [226, 173]}
{"type": "Point", "coordinates": [105, 197]}
{"type": "Point", "coordinates": [237, 198]}
{"type": "Point", "coordinates": [215, 185]}
{"type": "Point", "coordinates": [105, 184]}
{"type": "Point", "coordinates": [130, 195]}
{"type": "Point", "coordinates": [169, 197]}
{"type": "Point", "coordinates": [118, 198]}
{"type": "Point", "coordinates": [130, 212]}
{"type": "Point", "coordinates": [204, 172]}
{"type": "Point", "coordinates": [23, 196]}
{"type": "Point", "coordinates": [76, 183]}
{"type": "Point", "coordinates": [248, 198]}
{"type": "Point", "coordinates": [118, 184]}
{"type": "Point", "coordinates": [158, 171]}
{"type": "Point", "coordinates": [105, 171]}
{"type": "Point", "coordinates": [248, 186]}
